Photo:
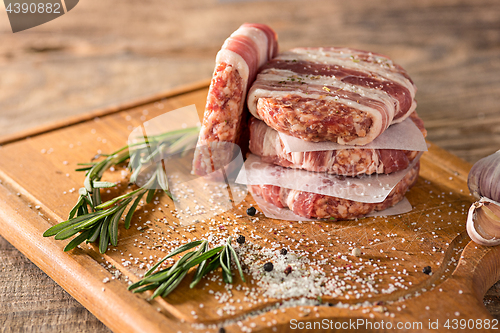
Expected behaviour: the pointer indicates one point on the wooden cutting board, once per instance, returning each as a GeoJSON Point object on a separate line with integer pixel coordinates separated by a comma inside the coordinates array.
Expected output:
{"type": "Point", "coordinates": [39, 186]}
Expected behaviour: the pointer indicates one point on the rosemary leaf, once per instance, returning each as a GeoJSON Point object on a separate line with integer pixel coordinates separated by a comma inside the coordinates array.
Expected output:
{"type": "Point", "coordinates": [119, 198]}
{"type": "Point", "coordinates": [181, 144]}
{"type": "Point", "coordinates": [121, 157]}
{"type": "Point", "coordinates": [135, 159]}
{"type": "Point", "coordinates": [130, 213]}
{"type": "Point", "coordinates": [173, 284]}
{"type": "Point", "coordinates": [54, 230]}
{"type": "Point", "coordinates": [166, 284]}
{"type": "Point", "coordinates": [74, 210]}
{"type": "Point", "coordinates": [135, 174]}
{"type": "Point", "coordinates": [173, 135]}
{"type": "Point", "coordinates": [145, 288]}
{"type": "Point", "coordinates": [68, 232]}
{"type": "Point", "coordinates": [181, 261]}
{"type": "Point", "coordinates": [150, 196]}
{"type": "Point", "coordinates": [227, 278]}
{"type": "Point", "coordinates": [96, 197]}
{"type": "Point", "coordinates": [198, 274]}
{"type": "Point", "coordinates": [88, 199]}
{"type": "Point", "coordinates": [202, 258]}
{"type": "Point", "coordinates": [96, 231]}
{"type": "Point", "coordinates": [207, 268]}
{"type": "Point", "coordinates": [93, 218]}
{"type": "Point", "coordinates": [84, 168]}
{"type": "Point", "coordinates": [147, 159]}
{"type": "Point", "coordinates": [180, 249]}
{"type": "Point", "coordinates": [104, 236]}
{"type": "Point", "coordinates": [142, 282]}
{"type": "Point", "coordinates": [158, 276]}
{"type": "Point", "coordinates": [93, 173]}
{"type": "Point", "coordinates": [223, 264]}
{"type": "Point", "coordinates": [113, 224]}
{"type": "Point", "coordinates": [87, 183]}
{"type": "Point", "coordinates": [161, 178]}
{"type": "Point", "coordinates": [77, 240]}
{"type": "Point", "coordinates": [83, 210]}
{"type": "Point", "coordinates": [99, 184]}
{"type": "Point", "coordinates": [237, 261]}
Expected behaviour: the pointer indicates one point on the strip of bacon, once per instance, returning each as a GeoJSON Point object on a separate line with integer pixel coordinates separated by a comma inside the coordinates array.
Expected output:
{"type": "Point", "coordinates": [332, 94]}
{"type": "Point", "coordinates": [237, 63]}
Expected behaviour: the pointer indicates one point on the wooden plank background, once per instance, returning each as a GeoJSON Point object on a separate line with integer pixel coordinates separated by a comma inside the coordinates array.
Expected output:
{"type": "Point", "coordinates": [106, 53]}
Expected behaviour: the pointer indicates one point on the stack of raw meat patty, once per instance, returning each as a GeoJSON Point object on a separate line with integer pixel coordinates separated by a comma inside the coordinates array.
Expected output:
{"type": "Point", "coordinates": [337, 95]}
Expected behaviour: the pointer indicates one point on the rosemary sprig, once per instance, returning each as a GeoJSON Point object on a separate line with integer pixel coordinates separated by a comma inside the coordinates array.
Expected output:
{"type": "Point", "coordinates": [95, 220]}
{"type": "Point", "coordinates": [166, 280]}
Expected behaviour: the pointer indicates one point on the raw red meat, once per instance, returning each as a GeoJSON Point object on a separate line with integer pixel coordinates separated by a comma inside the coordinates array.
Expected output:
{"type": "Point", "coordinates": [266, 143]}
{"type": "Point", "coordinates": [237, 63]}
{"type": "Point", "coordinates": [312, 205]}
{"type": "Point", "coordinates": [332, 94]}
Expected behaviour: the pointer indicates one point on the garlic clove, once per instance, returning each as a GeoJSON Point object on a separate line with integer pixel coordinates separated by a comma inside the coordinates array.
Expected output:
{"type": "Point", "coordinates": [483, 222]}
{"type": "Point", "coordinates": [484, 177]}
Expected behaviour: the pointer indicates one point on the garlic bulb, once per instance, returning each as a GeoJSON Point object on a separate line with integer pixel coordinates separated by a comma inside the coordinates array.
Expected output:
{"type": "Point", "coordinates": [483, 220]}
{"type": "Point", "coordinates": [484, 177]}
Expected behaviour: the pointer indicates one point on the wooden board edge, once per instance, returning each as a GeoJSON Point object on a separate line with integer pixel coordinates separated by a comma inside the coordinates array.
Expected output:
{"type": "Point", "coordinates": [9, 138]}
{"type": "Point", "coordinates": [484, 262]}
{"type": "Point", "coordinates": [22, 227]}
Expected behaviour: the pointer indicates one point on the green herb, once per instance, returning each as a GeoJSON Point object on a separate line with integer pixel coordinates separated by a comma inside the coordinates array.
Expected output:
{"type": "Point", "coordinates": [98, 221]}
{"type": "Point", "coordinates": [166, 280]}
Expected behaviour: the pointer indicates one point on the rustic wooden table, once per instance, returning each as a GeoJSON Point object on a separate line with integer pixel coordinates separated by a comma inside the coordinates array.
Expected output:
{"type": "Point", "coordinates": [106, 53]}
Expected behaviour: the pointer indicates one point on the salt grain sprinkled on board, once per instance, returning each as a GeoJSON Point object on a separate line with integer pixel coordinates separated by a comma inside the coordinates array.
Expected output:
{"type": "Point", "coordinates": [319, 269]}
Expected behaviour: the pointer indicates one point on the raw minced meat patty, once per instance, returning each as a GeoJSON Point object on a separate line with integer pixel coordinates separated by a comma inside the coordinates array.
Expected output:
{"type": "Point", "coordinates": [266, 143]}
{"type": "Point", "coordinates": [312, 205]}
{"type": "Point", "coordinates": [331, 94]}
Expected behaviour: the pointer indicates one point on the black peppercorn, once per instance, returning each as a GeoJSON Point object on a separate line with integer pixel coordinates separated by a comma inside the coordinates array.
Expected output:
{"type": "Point", "coordinates": [222, 330]}
{"type": "Point", "coordinates": [251, 211]}
{"type": "Point", "coordinates": [283, 252]}
{"type": "Point", "coordinates": [240, 239]}
{"type": "Point", "coordinates": [268, 266]}
{"type": "Point", "coordinates": [427, 270]}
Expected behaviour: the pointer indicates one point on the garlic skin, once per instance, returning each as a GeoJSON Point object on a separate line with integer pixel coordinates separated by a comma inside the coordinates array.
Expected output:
{"type": "Point", "coordinates": [484, 177]}
{"type": "Point", "coordinates": [483, 222]}
{"type": "Point", "coordinates": [483, 219]}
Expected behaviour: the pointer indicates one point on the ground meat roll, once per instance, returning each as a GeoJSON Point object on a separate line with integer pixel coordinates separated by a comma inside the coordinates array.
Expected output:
{"type": "Point", "coordinates": [237, 63]}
